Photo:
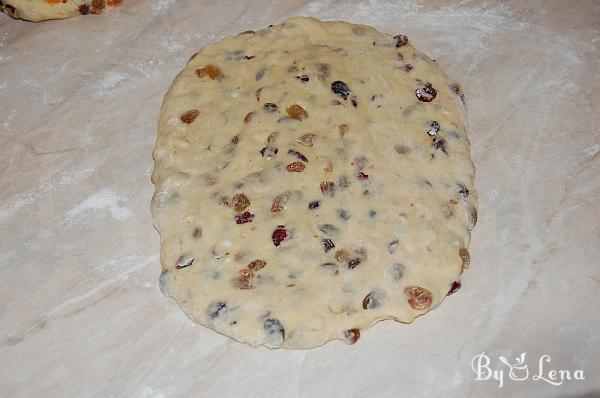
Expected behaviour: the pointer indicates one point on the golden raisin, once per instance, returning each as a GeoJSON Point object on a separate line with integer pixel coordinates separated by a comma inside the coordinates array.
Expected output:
{"type": "Point", "coordinates": [256, 265]}
{"type": "Point", "coordinates": [279, 202]}
{"type": "Point", "coordinates": [419, 298]}
{"type": "Point", "coordinates": [212, 71]}
{"type": "Point", "coordinates": [465, 257]}
{"type": "Point", "coordinates": [240, 202]}
{"type": "Point", "coordinates": [306, 139]}
{"type": "Point", "coordinates": [327, 188]}
{"type": "Point", "coordinates": [296, 167]}
{"type": "Point", "coordinates": [296, 112]}
{"type": "Point", "coordinates": [189, 116]}
{"type": "Point", "coordinates": [342, 255]}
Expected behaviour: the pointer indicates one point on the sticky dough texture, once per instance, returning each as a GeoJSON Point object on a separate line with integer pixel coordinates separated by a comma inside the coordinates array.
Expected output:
{"type": "Point", "coordinates": [402, 203]}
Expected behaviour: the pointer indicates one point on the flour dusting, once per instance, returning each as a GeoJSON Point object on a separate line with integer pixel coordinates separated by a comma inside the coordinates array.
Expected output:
{"type": "Point", "coordinates": [108, 83]}
{"type": "Point", "coordinates": [102, 200]}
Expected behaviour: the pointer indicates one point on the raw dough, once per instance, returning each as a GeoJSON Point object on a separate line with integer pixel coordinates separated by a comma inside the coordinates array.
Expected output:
{"type": "Point", "coordinates": [311, 179]}
{"type": "Point", "coordinates": [41, 10]}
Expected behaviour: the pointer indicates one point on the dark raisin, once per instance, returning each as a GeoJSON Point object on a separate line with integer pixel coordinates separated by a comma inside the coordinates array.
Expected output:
{"type": "Point", "coordinates": [303, 78]}
{"type": "Point", "coordinates": [249, 56]}
{"type": "Point", "coordinates": [314, 204]}
{"type": "Point", "coordinates": [243, 218]}
{"type": "Point", "coordinates": [274, 330]}
{"type": "Point", "coordinates": [439, 144]}
{"type": "Point", "coordinates": [362, 176]}
{"type": "Point", "coordinates": [328, 229]}
{"type": "Point", "coordinates": [84, 9]}
{"type": "Point", "coordinates": [401, 40]}
{"type": "Point", "coordinates": [270, 107]}
{"type": "Point", "coordinates": [183, 261]}
{"type": "Point", "coordinates": [407, 67]}
{"type": "Point", "coordinates": [351, 336]}
{"type": "Point", "coordinates": [473, 215]}
{"type": "Point", "coordinates": [340, 88]}
{"type": "Point", "coordinates": [462, 190]}
{"type": "Point", "coordinates": [216, 308]}
{"type": "Point", "coordinates": [455, 88]}
{"type": "Point", "coordinates": [298, 155]}
{"type": "Point", "coordinates": [433, 128]}
{"type": "Point", "coordinates": [235, 140]}
{"type": "Point", "coordinates": [343, 214]}
{"type": "Point", "coordinates": [393, 245]}
{"type": "Point", "coordinates": [354, 101]}
{"type": "Point", "coordinates": [455, 286]}
{"type": "Point", "coordinates": [279, 235]}
{"type": "Point", "coordinates": [260, 74]}
{"type": "Point", "coordinates": [248, 117]}
{"type": "Point", "coordinates": [197, 234]}
{"type": "Point", "coordinates": [426, 92]}
{"type": "Point", "coordinates": [372, 213]}
{"type": "Point", "coordinates": [370, 301]}
{"type": "Point", "coordinates": [269, 152]}
{"type": "Point", "coordinates": [328, 245]}
{"type": "Point", "coordinates": [354, 263]}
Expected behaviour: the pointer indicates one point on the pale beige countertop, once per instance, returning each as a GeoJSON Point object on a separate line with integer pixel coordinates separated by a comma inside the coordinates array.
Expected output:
{"type": "Point", "coordinates": [80, 310]}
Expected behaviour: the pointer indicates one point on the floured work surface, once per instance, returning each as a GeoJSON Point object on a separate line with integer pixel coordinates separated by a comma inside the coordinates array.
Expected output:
{"type": "Point", "coordinates": [312, 179]}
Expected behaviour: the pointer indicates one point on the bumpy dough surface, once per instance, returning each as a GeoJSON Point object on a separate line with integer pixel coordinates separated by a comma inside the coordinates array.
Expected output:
{"type": "Point", "coordinates": [312, 178]}
{"type": "Point", "coordinates": [41, 10]}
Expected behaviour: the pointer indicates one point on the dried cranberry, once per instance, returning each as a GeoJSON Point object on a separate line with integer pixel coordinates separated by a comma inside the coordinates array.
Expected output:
{"type": "Point", "coordinates": [279, 235]}
{"type": "Point", "coordinates": [314, 204]}
{"type": "Point", "coordinates": [455, 286]}
{"type": "Point", "coordinates": [298, 155]}
{"type": "Point", "coordinates": [340, 88]}
{"type": "Point", "coordinates": [244, 217]}
{"type": "Point", "coordinates": [351, 336]}
{"type": "Point", "coordinates": [426, 92]}
{"type": "Point", "coordinates": [354, 101]}
{"type": "Point", "coordinates": [401, 40]}
{"type": "Point", "coordinates": [327, 245]}
{"type": "Point", "coordinates": [270, 107]}
{"type": "Point", "coordinates": [84, 9]}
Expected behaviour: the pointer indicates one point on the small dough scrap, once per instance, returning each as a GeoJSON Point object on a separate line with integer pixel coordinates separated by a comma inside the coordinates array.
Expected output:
{"type": "Point", "coordinates": [41, 10]}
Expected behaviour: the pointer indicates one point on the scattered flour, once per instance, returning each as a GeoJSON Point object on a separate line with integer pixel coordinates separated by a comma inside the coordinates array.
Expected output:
{"type": "Point", "coordinates": [108, 83]}
{"type": "Point", "coordinates": [102, 200]}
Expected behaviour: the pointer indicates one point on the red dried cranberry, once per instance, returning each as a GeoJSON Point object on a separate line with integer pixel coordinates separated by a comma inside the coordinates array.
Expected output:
{"type": "Point", "coordinates": [440, 144]}
{"type": "Point", "coordinates": [455, 286]}
{"type": "Point", "coordinates": [426, 92]}
{"type": "Point", "coordinates": [351, 336]}
{"type": "Point", "coordinates": [362, 176]}
{"type": "Point", "coordinates": [401, 40]}
{"type": "Point", "coordinates": [279, 235]}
